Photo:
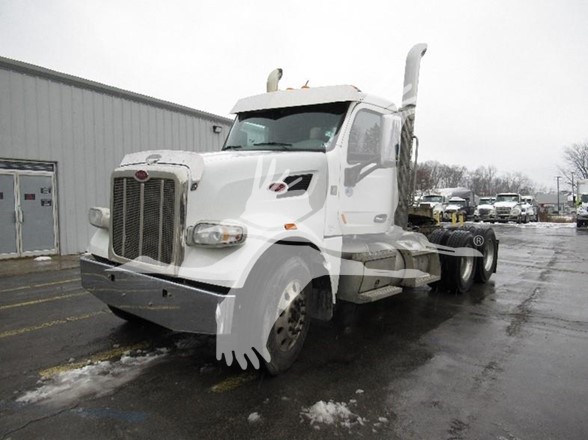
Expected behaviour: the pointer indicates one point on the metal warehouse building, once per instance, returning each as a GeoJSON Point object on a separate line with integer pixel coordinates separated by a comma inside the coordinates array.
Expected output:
{"type": "Point", "coordinates": [61, 137]}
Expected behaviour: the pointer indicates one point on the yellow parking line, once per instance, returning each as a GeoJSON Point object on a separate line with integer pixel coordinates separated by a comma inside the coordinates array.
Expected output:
{"type": "Point", "coordinates": [100, 357]}
{"type": "Point", "coordinates": [231, 383]}
{"type": "Point", "coordinates": [44, 300]}
{"type": "Point", "coordinates": [21, 331]}
{"type": "Point", "coordinates": [33, 286]}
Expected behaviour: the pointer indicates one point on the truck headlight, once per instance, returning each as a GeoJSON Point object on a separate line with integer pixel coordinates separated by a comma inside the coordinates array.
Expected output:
{"type": "Point", "coordinates": [476, 212]}
{"type": "Point", "coordinates": [515, 211]}
{"type": "Point", "coordinates": [492, 213]}
{"type": "Point", "coordinates": [99, 217]}
{"type": "Point", "coordinates": [215, 234]}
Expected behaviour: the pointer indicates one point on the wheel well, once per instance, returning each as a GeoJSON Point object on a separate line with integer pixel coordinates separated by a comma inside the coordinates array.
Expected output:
{"type": "Point", "coordinates": [320, 304]}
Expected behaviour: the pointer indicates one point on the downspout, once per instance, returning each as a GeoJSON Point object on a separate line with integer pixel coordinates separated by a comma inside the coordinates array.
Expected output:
{"type": "Point", "coordinates": [407, 111]}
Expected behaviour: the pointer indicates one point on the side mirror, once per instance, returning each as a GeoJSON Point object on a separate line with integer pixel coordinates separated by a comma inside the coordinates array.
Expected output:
{"type": "Point", "coordinates": [390, 140]}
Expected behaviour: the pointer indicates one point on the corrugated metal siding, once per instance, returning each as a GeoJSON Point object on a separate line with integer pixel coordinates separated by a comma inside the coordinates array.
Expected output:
{"type": "Point", "coordinates": [87, 133]}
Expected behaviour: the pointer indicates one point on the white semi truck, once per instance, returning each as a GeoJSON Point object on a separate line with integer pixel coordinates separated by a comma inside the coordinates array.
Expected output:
{"type": "Point", "coordinates": [582, 201]}
{"type": "Point", "coordinates": [304, 209]}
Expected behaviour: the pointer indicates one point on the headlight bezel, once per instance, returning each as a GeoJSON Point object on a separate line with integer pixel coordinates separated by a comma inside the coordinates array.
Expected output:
{"type": "Point", "coordinates": [99, 217]}
{"type": "Point", "coordinates": [215, 234]}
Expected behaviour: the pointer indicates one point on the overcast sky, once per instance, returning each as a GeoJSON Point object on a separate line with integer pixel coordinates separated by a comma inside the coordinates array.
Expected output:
{"type": "Point", "coordinates": [502, 83]}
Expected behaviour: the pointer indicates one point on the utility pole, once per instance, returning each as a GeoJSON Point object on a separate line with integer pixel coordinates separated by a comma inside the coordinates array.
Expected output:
{"type": "Point", "coordinates": [558, 177]}
{"type": "Point", "coordinates": [573, 193]}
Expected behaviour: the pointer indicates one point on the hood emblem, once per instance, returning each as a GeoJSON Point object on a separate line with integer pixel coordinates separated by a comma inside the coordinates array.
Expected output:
{"type": "Point", "coordinates": [142, 176]}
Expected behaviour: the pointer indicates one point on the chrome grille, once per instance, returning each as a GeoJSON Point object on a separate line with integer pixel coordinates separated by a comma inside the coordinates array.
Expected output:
{"type": "Point", "coordinates": [143, 218]}
{"type": "Point", "coordinates": [503, 210]}
{"type": "Point", "coordinates": [484, 211]}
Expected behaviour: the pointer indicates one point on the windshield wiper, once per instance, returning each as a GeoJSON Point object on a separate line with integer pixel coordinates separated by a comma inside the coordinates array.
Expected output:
{"type": "Point", "coordinates": [233, 147]}
{"type": "Point", "coordinates": [273, 144]}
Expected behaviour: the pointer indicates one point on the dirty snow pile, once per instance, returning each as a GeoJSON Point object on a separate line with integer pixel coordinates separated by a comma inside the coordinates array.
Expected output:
{"type": "Point", "coordinates": [331, 413]}
{"type": "Point", "coordinates": [95, 379]}
{"type": "Point", "coordinates": [42, 259]}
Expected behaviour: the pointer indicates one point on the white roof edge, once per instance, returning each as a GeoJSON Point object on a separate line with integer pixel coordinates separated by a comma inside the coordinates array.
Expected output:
{"type": "Point", "coordinates": [307, 96]}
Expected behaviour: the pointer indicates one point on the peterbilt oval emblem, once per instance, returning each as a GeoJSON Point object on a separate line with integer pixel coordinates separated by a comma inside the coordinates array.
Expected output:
{"type": "Point", "coordinates": [142, 176]}
{"type": "Point", "coordinates": [278, 187]}
{"type": "Point", "coordinates": [153, 159]}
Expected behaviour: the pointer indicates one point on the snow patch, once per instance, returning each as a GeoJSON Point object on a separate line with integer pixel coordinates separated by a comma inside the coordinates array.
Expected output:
{"type": "Point", "coordinates": [254, 417]}
{"type": "Point", "coordinates": [42, 259]}
{"type": "Point", "coordinates": [331, 413]}
{"type": "Point", "coordinates": [95, 379]}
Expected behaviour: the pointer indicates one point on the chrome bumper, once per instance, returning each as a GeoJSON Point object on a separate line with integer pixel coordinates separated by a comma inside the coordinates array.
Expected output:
{"type": "Point", "coordinates": [166, 303]}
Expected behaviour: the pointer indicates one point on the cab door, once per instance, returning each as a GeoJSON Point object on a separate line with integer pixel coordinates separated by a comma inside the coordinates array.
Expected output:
{"type": "Point", "coordinates": [368, 193]}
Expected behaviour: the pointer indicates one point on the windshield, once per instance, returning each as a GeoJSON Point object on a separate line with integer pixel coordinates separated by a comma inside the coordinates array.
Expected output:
{"type": "Point", "coordinates": [304, 128]}
{"type": "Point", "coordinates": [486, 201]}
{"type": "Point", "coordinates": [507, 198]}
{"type": "Point", "coordinates": [435, 199]}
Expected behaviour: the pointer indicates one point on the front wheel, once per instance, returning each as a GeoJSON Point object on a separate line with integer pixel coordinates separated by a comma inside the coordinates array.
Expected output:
{"type": "Point", "coordinates": [269, 321]}
{"type": "Point", "coordinates": [288, 333]}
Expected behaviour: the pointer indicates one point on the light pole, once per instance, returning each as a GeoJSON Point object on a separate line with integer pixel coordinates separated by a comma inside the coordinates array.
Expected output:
{"type": "Point", "coordinates": [573, 193]}
{"type": "Point", "coordinates": [558, 177]}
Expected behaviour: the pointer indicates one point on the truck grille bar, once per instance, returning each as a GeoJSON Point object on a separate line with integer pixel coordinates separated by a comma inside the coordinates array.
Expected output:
{"type": "Point", "coordinates": [143, 218]}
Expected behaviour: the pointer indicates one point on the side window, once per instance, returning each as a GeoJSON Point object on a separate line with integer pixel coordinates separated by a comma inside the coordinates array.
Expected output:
{"type": "Point", "coordinates": [364, 137]}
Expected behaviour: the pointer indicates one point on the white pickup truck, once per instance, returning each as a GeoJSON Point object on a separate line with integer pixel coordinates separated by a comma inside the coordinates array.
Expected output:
{"type": "Point", "coordinates": [305, 208]}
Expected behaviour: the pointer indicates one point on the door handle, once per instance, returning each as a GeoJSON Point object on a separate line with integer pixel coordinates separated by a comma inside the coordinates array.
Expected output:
{"type": "Point", "coordinates": [380, 218]}
{"type": "Point", "coordinates": [19, 215]}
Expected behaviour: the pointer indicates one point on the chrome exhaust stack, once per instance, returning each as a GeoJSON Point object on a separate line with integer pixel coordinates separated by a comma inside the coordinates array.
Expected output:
{"type": "Point", "coordinates": [407, 111]}
{"type": "Point", "coordinates": [273, 79]}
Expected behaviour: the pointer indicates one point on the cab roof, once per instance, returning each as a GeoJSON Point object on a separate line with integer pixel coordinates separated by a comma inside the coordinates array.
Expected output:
{"type": "Point", "coordinates": [309, 96]}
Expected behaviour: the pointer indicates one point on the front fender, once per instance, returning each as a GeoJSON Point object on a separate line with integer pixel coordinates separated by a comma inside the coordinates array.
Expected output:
{"type": "Point", "coordinates": [230, 267]}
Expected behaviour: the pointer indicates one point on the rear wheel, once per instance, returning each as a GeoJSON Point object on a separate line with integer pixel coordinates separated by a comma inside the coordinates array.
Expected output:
{"type": "Point", "coordinates": [484, 241]}
{"type": "Point", "coordinates": [439, 236]}
{"type": "Point", "coordinates": [460, 269]}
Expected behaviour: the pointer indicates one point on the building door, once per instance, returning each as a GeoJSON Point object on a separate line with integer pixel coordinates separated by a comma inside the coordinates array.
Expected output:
{"type": "Point", "coordinates": [8, 216]}
{"type": "Point", "coordinates": [28, 215]}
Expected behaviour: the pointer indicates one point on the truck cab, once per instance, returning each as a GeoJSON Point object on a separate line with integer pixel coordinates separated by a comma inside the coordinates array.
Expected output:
{"type": "Point", "coordinates": [484, 209]}
{"type": "Point", "coordinates": [305, 207]}
{"type": "Point", "coordinates": [508, 207]}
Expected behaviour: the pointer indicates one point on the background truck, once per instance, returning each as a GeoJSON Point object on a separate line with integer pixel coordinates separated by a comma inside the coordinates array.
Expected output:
{"type": "Point", "coordinates": [484, 209]}
{"type": "Point", "coordinates": [508, 207]}
{"type": "Point", "coordinates": [582, 201]}
{"type": "Point", "coordinates": [305, 209]}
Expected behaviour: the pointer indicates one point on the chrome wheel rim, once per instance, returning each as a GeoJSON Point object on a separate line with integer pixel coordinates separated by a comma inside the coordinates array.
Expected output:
{"type": "Point", "coordinates": [467, 268]}
{"type": "Point", "coordinates": [291, 316]}
{"type": "Point", "coordinates": [489, 256]}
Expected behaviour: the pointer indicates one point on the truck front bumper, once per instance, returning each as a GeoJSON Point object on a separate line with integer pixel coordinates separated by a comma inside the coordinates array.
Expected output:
{"type": "Point", "coordinates": [177, 306]}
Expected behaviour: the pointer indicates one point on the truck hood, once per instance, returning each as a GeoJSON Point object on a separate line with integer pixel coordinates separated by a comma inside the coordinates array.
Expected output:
{"type": "Point", "coordinates": [505, 204]}
{"type": "Point", "coordinates": [485, 206]}
{"type": "Point", "coordinates": [254, 187]}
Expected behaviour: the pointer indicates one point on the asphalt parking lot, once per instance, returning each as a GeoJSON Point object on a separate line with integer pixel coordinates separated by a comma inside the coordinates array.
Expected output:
{"type": "Point", "coordinates": [506, 361]}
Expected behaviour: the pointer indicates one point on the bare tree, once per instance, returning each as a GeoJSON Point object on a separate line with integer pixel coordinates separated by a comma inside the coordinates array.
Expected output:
{"type": "Point", "coordinates": [576, 161]}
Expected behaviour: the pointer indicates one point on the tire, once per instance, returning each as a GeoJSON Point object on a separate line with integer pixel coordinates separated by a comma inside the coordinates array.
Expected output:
{"type": "Point", "coordinates": [439, 236]}
{"type": "Point", "coordinates": [484, 241]}
{"type": "Point", "coordinates": [460, 270]}
{"type": "Point", "coordinates": [292, 282]}
{"type": "Point", "coordinates": [270, 321]}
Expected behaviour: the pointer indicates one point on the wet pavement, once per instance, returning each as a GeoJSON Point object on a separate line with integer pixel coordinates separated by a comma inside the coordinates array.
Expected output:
{"type": "Point", "coordinates": [506, 361]}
